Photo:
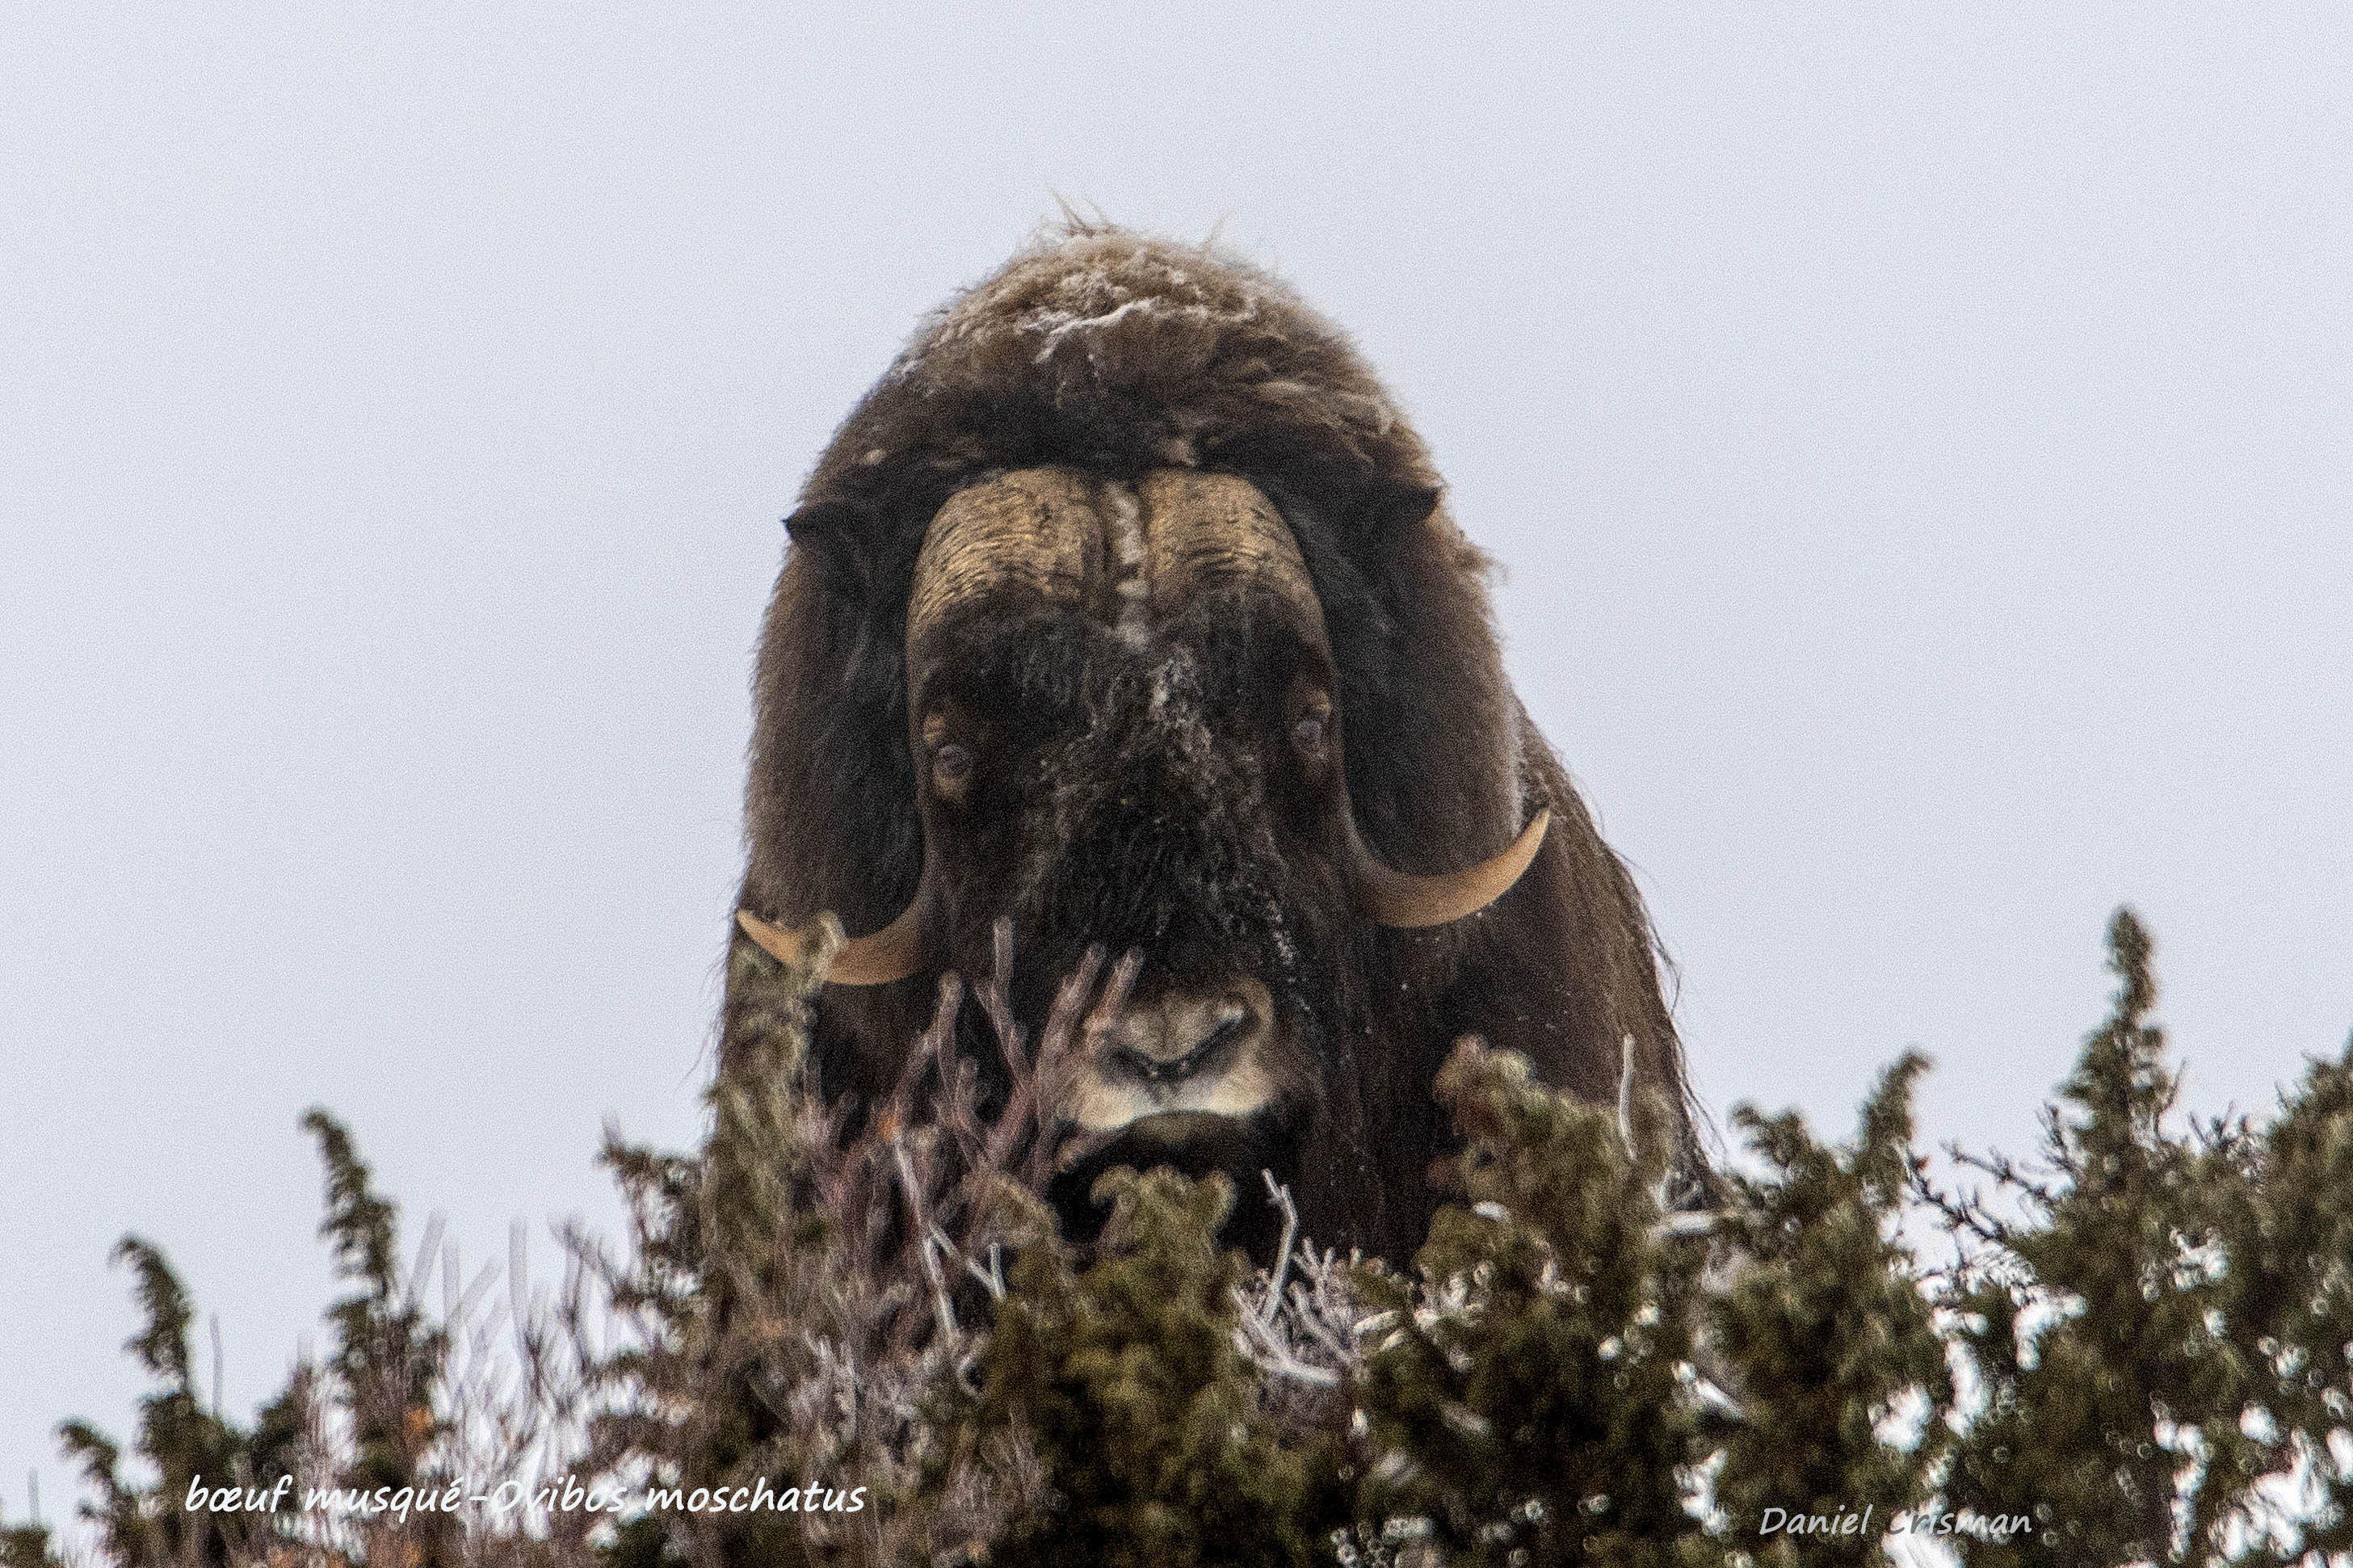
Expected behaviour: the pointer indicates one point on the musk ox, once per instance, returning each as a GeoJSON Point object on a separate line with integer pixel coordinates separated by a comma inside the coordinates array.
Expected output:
{"type": "Point", "coordinates": [1125, 607]}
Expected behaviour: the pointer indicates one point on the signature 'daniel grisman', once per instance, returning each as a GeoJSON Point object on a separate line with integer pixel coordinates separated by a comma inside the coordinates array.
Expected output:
{"type": "Point", "coordinates": [1850, 1521]}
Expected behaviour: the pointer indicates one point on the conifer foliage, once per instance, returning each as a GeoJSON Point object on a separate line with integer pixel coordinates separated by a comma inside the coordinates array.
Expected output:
{"type": "Point", "coordinates": [2162, 1336]}
{"type": "Point", "coordinates": [2134, 1348]}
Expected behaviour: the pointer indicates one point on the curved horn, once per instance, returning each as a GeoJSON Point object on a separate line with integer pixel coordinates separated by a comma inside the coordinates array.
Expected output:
{"type": "Point", "coordinates": [1037, 529]}
{"type": "Point", "coordinates": [1401, 902]}
{"type": "Point", "coordinates": [893, 953]}
{"type": "Point", "coordinates": [1206, 531]}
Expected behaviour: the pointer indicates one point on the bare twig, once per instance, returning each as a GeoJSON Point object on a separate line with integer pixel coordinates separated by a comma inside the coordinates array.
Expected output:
{"type": "Point", "coordinates": [1626, 1093]}
{"type": "Point", "coordinates": [1279, 1196]}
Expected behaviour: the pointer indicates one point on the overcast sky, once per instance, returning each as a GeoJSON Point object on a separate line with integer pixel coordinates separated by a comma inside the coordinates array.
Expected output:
{"type": "Point", "coordinates": [1917, 445]}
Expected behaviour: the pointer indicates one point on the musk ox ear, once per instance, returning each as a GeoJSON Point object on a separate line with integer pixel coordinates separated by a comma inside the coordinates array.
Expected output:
{"type": "Point", "coordinates": [839, 536]}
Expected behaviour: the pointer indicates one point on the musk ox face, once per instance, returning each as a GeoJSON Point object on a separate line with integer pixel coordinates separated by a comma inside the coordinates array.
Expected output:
{"type": "Point", "coordinates": [1125, 608]}
{"type": "Point", "coordinates": [1122, 727]}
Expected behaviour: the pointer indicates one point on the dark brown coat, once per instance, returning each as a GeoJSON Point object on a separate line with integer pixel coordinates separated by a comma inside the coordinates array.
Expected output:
{"type": "Point", "coordinates": [1107, 352]}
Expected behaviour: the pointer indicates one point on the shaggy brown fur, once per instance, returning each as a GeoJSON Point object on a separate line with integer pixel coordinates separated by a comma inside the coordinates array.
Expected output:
{"type": "Point", "coordinates": [1104, 351]}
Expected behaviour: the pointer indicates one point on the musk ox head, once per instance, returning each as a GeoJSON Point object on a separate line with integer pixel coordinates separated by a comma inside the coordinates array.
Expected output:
{"type": "Point", "coordinates": [1123, 608]}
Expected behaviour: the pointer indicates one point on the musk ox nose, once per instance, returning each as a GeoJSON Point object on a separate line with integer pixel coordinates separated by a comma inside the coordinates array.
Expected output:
{"type": "Point", "coordinates": [1177, 1038]}
{"type": "Point", "coordinates": [1168, 1062]}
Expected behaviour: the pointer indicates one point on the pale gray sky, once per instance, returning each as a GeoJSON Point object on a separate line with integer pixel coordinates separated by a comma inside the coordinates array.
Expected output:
{"type": "Point", "coordinates": [1918, 444]}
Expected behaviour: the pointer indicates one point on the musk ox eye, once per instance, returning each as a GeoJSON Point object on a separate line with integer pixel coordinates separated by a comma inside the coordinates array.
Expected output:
{"type": "Point", "coordinates": [952, 770]}
{"type": "Point", "coordinates": [1308, 731]}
